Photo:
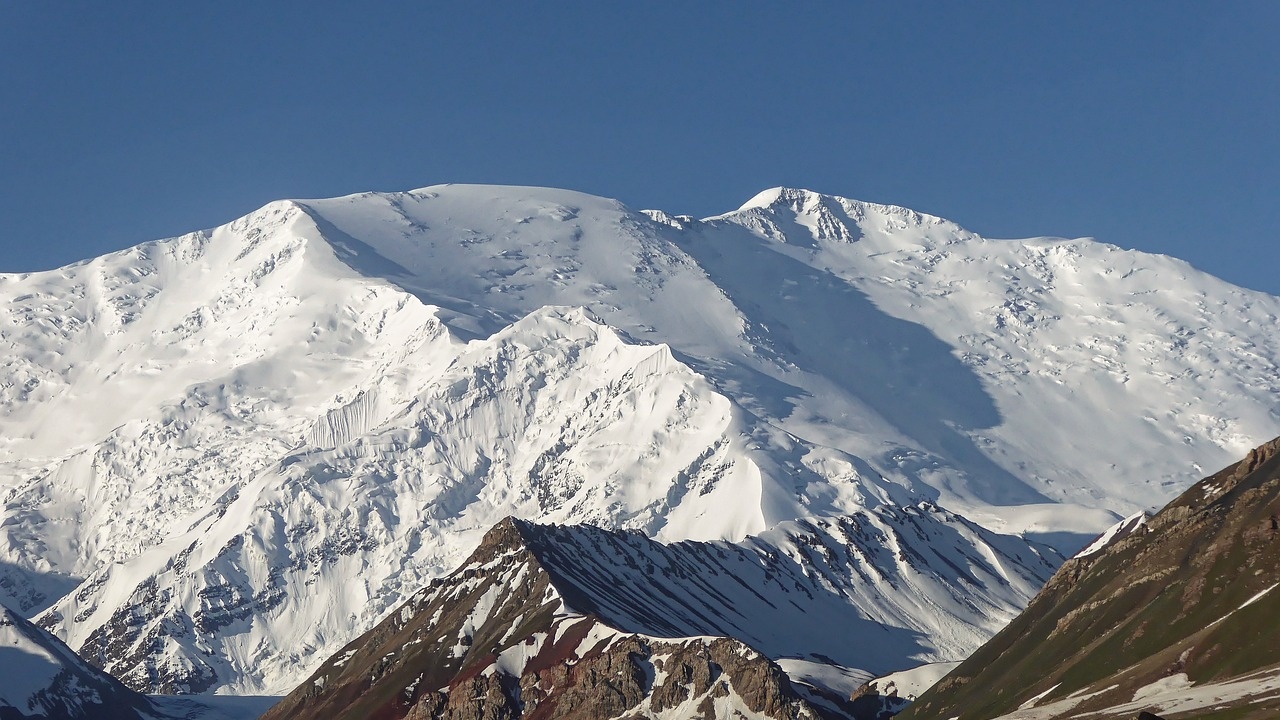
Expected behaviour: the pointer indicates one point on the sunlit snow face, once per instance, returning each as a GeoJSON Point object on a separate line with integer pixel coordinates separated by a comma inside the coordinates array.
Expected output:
{"type": "Point", "coordinates": [337, 398]}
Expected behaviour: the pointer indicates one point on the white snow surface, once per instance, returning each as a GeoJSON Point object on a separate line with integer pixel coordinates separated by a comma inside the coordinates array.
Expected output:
{"type": "Point", "coordinates": [32, 661]}
{"type": "Point", "coordinates": [911, 683]}
{"type": "Point", "coordinates": [840, 680]}
{"type": "Point", "coordinates": [224, 455]}
{"type": "Point", "coordinates": [42, 677]}
{"type": "Point", "coordinates": [1121, 529]}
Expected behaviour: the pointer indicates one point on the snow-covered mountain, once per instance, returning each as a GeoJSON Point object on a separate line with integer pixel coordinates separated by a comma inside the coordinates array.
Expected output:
{"type": "Point", "coordinates": [224, 455]}
{"type": "Point", "coordinates": [541, 614]}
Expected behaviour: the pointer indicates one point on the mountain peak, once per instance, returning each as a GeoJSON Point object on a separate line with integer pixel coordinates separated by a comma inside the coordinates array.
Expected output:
{"type": "Point", "coordinates": [836, 217]}
{"type": "Point", "coordinates": [781, 195]}
{"type": "Point", "coordinates": [507, 535]}
{"type": "Point", "coordinates": [619, 610]}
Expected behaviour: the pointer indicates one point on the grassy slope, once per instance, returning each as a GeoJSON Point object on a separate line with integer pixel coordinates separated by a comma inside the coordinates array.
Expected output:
{"type": "Point", "coordinates": [1148, 606]}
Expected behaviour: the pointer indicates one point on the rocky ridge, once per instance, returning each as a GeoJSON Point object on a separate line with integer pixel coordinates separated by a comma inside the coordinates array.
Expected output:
{"type": "Point", "coordinates": [1165, 619]}
{"type": "Point", "coordinates": [495, 640]}
{"type": "Point", "coordinates": [577, 621]}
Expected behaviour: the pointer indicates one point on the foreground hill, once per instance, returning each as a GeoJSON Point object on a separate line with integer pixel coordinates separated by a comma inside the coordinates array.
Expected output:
{"type": "Point", "coordinates": [1176, 617]}
{"type": "Point", "coordinates": [224, 455]}
{"type": "Point", "coordinates": [576, 621]}
{"type": "Point", "coordinates": [42, 679]}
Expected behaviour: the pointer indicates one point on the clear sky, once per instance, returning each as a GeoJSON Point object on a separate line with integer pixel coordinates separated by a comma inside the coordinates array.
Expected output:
{"type": "Point", "coordinates": [1153, 125]}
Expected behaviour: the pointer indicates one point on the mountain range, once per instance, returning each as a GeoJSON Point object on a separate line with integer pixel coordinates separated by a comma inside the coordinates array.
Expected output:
{"type": "Point", "coordinates": [854, 593]}
{"type": "Point", "coordinates": [1160, 613]}
{"type": "Point", "coordinates": [224, 456]}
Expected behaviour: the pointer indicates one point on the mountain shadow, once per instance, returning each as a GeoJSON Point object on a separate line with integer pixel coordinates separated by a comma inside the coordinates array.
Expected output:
{"type": "Point", "coordinates": [821, 324]}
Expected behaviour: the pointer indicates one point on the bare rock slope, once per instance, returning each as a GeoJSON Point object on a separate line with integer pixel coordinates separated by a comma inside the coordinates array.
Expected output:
{"type": "Point", "coordinates": [494, 640]}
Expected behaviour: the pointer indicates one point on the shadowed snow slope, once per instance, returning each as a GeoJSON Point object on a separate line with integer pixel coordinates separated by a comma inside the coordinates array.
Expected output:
{"type": "Point", "coordinates": [541, 617]}
{"type": "Point", "coordinates": [43, 678]}
{"type": "Point", "coordinates": [224, 455]}
{"type": "Point", "coordinates": [879, 590]}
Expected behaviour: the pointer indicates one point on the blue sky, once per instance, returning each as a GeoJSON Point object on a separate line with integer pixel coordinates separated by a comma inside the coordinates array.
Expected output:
{"type": "Point", "coordinates": [1150, 125]}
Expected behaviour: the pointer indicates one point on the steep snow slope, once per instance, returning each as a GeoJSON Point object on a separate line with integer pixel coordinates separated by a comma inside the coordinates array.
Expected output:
{"type": "Point", "coordinates": [144, 385]}
{"type": "Point", "coordinates": [262, 436]}
{"type": "Point", "coordinates": [878, 590]}
{"type": "Point", "coordinates": [551, 418]}
{"type": "Point", "coordinates": [1062, 347]}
